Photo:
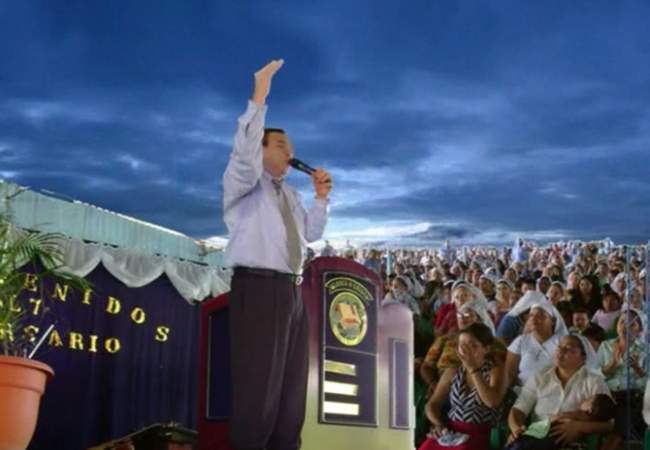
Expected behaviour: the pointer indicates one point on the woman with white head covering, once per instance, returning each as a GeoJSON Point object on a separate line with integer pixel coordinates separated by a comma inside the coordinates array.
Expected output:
{"type": "Point", "coordinates": [487, 285]}
{"type": "Point", "coordinates": [563, 386]}
{"type": "Point", "coordinates": [481, 312]}
{"type": "Point", "coordinates": [632, 298]}
{"type": "Point", "coordinates": [614, 356]}
{"type": "Point", "coordinates": [619, 285]}
{"type": "Point", "coordinates": [591, 358]}
{"type": "Point", "coordinates": [461, 293]}
{"type": "Point", "coordinates": [415, 289]}
{"type": "Point", "coordinates": [399, 294]}
{"type": "Point", "coordinates": [534, 350]}
{"type": "Point", "coordinates": [512, 325]}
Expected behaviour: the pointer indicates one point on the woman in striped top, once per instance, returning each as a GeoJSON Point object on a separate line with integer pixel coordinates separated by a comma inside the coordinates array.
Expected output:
{"type": "Point", "coordinates": [475, 391]}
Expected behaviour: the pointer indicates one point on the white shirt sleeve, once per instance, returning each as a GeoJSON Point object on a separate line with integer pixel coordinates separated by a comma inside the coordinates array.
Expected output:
{"type": "Point", "coordinates": [600, 386]}
{"type": "Point", "coordinates": [316, 220]}
{"type": "Point", "coordinates": [517, 345]}
{"type": "Point", "coordinates": [601, 355]}
{"type": "Point", "coordinates": [528, 396]}
{"type": "Point", "coordinates": [245, 166]}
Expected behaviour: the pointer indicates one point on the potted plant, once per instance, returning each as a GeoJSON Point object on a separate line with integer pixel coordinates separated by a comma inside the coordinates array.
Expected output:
{"type": "Point", "coordinates": [22, 379]}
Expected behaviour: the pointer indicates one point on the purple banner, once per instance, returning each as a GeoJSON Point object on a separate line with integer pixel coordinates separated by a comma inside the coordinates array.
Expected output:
{"type": "Point", "coordinates": [123, 358]}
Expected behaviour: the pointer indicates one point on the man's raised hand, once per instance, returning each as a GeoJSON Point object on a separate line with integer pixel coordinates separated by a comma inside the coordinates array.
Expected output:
{"type": "Point", "coordinates": [263, 80]}
{"type": "Point", "coordinates": [322, 182]}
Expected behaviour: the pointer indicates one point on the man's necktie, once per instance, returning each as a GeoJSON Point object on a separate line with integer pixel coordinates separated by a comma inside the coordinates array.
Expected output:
{"type": "Point", "coordinates": [294, 253]}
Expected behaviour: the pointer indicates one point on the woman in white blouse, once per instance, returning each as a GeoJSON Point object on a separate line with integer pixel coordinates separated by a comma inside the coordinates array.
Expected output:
{"type": "Point", "coordinates": [534, 350]}
{"type": "Point", "coordinates": [560, 387]}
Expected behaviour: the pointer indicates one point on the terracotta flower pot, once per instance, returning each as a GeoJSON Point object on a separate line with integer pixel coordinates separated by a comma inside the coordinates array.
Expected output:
{"type": "Point", "coordinates": [22, 382]}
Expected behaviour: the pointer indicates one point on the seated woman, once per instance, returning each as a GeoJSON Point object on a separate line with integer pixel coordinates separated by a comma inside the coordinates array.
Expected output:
{"type": "Point", "coordinates": [501, 305]}
{"type": "Point", "coordinates": [399, 293]}
{"type": "Point", "coordinates": [619, 285]}
{"type": "Point", "coordinates": [534, 350]}
{"type": "Point", "coordinates": [415, 287]}
{"type": "Point", "coordinates": [445, 299]}
{"type": "Point", "coordinates": [432, 292]}
{"type": "Point", "coordinates": [554, 272]}
{"type": "Point", "coordinates": [586, 296]}
{"type": "Point", "coordinates": [461, 293]}
{"type": "Point", "coordinates": [486, 284]}
{"type": "Point", "coordinates": [512, 325]}
{"type": "Point", "coordinates": [559, 388]}
{"type": "Point", "coordinates": [446, 309]}
{"type": "Point", "coordinates": [613, 357]}
{"type": "Point", "coordinates": [474, 390]}
{"type": "Point", "coordinates": [599, 408]}
{"type": "Point", "coordinates": [443, 353]}
{"type": "Point", "coordinates": [511, 275]}
{"type": "Point", "coordinates": [611, 310]}
{"type": "Point", "coordinates": [544, 284]}
{"type": "Point", "coordinates": [555, 293]}
{"type": "Point", "coordinates": [632, 298]}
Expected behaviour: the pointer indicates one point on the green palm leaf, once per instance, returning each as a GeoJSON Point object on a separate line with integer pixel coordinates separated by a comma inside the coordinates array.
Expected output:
{"type": "Point", "coordinates": [18, 249]}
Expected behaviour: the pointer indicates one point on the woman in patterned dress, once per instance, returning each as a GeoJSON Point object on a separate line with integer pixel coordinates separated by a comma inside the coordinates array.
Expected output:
{"type": "Point", "coordinates": [475, 391]}
{"type": "Point", "coordinates": [443, 352]}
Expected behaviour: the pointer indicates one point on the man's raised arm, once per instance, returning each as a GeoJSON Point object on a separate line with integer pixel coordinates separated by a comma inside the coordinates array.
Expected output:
{"type": "Point", "coordinates": [245, 166]}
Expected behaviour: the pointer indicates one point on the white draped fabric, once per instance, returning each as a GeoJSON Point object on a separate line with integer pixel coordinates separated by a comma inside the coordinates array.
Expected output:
{"type": "Point", "coordinates": [194, 282]}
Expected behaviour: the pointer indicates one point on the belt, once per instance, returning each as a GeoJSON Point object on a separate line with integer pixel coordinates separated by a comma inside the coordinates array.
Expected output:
{"type": "Point", "coordinates": [268, 273]}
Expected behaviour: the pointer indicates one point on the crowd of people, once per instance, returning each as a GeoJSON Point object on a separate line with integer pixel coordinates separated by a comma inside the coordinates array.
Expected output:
{"type": "Point", "coordinates": [548, 341]}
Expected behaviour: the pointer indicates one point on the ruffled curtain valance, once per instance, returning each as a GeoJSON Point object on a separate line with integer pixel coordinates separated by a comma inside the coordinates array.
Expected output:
{"type": "Point", "coordinates": [194, 282]}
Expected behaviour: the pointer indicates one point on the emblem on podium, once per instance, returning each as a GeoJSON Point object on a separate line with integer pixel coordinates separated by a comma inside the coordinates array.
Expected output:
{"type": "Point", "coordinates": [348, 387]}
{"type": "Point", "coordinates": [348, 319]}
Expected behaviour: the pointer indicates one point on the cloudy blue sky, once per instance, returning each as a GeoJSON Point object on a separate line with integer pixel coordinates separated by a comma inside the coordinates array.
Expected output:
{"type": "Point", "coordinates": [474, 120]}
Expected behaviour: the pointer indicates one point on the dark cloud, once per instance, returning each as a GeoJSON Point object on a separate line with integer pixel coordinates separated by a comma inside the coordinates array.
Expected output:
{"type": "Point", "coordinates": [483, 119]}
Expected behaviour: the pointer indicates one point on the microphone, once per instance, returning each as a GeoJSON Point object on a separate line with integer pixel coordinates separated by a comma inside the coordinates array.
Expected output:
{"type": "Point", "coordinates": [303, 167]}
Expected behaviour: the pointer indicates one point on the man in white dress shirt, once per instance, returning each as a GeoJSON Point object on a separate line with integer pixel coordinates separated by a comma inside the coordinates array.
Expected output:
{"type": "Point", "coordinates": [269, 230]}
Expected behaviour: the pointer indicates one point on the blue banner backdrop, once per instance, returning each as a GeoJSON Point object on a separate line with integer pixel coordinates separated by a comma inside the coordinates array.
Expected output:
{"type": "Point", "coordinates": [123, 358]}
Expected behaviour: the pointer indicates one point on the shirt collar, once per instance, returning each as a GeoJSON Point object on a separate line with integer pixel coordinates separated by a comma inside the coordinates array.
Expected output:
{"type": "Point", "coordinates": [267, 176]}
{"type": "Point", "coordinates": [579, 374]}
{"type": "Point", "coordinates": [271, 182]}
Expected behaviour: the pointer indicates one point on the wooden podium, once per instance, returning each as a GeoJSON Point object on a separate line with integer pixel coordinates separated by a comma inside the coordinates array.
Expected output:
{"type": "Point", "coordinates": [360, 389]}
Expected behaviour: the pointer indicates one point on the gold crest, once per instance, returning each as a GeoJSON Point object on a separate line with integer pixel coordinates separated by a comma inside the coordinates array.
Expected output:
{"type": "Point", "coordinates": [348, 318]}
